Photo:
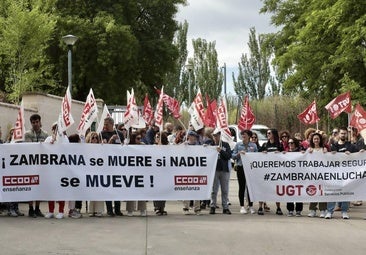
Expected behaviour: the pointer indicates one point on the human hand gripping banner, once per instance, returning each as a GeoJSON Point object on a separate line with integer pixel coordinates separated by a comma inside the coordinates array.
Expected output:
{"type": "Point", "coordinates": [40, 171]}
{"type": "Point", "coordinates": [305, 177]}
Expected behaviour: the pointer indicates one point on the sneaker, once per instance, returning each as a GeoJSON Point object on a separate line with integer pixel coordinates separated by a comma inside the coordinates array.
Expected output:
{"type": "Point", "coordinates": [129, 214]}
{"type": "Point", "coordinates": [143, 213]}
{"type": "Point", "coordinates": [266, 208]}
{"type": "Point", "coordinates": [328, 215]}
{"type": "Point", "coordinates": [12, 213]}
{"type": "Point", "coordinates": [99, 214]}
{"type": "Point", "coordinates": [198, 212]}
{"type": "Point", "coordinates": [185, 211]}
{"type": "Point", "coordinates": [322, 214]}
{"type": "Point", "coordinates": [49, 215]}
{"type": "Point", "coordinates": [59, 216]}
{"type": "Point", "coordinates": [212, 210]}
{"type": "Point", "coordinates": [312, 213]}
{"type": "Point", "coordinates": [290, 213]}
{"type": "Point", "coordinates": [260, 211]}
{"type": "Point", "coordinates": [226, 211]}
{"type": "Point", "coordinates": [38, 213]}
{"type": "Point", "coordinates": [345, 215]}
{"type": "Point", "coordinates": [19, 213]}
{"type": "Point", "coordinates": [76, 214]}
{"type": "Point", "coordinates": [243, 210]}
{"type": "Point", "coordinates": [251, 209]}
{"type": "Point", "coordinates": [279, 211]}
{"type": "Point", "coordinates": [298, 214]}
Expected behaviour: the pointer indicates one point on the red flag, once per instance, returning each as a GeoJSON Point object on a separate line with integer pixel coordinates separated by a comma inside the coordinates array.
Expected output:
{"type": "Point", "coordinates": [339, 104]}
{"type": "Point", "coordinates": [210, 119]}
{"type": "Point", "coordinates": [247, 117]}
{"type": "Point", "coordinates": [131, 116]}
{"type": "Point", "coordinates": [171, 103]}
{"type": "Point", "coordinates": [19, 129]}
{"type": "Point", "coordinates": [358, 119]}
{"type": "Point", "coordinates": [309, 116]}
{"type": "Point", "coordinates": [147, 113]}
{"type": "Point", "coordinates": [222, 123]}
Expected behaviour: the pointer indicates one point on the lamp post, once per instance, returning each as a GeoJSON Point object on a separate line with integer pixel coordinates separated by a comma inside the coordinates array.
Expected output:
{"type": "Point", "coordinates": [190, 69]}
{"type": "Point", "coordinates": [70, 40]}
{"type": "Point", "coordinates": [224, 69]}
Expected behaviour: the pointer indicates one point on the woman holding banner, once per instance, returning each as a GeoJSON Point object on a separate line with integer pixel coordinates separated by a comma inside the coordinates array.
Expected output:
{"type": "Point", "coordinates": [316, 144]}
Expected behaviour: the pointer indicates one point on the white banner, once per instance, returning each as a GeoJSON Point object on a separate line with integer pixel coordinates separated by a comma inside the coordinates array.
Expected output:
{"type": "Point", "coordinates": [308, 177]}
{"type": "Point", "coordinates": [40, 171]}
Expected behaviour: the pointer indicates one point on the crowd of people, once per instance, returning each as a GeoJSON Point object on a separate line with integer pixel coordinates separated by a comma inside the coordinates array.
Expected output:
{"type": "Point", "coordinates": [343, 139]}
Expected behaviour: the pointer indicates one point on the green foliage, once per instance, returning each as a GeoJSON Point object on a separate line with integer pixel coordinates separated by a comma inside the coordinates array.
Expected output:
{"type": "Point", "coordinates": [319, 43]}
{"type": "Point", "coordinates": [207, 74]}
{"type": "Point", "coordinates": [254, 72]}
{"type": "Point", "coordinates": [25, 31]}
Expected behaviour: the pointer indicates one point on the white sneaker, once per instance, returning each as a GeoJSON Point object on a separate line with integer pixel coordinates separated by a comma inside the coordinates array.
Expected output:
{"type": "Point", "coordinates": [328, 216]}
{"type": "Point", "coordinates": [49, 215]}
{"type": "Point", "coordinates": [251, 209]}
{"type": "Point", "coordinates": [312, 213]}
{"type": "Point", "coordinates": [322, 214]}
{"type": "Point", "coordinates": [143, 213]}
{"type": "Point", "coordinates": [129, 214]}
{"type": "Point", "coordinates": [12, 213]}
{"type": "Point", "coordinates": [345, 215]}
{"type": "Point", "coordinates": [60, 215]}
{"type": "Point", "coordinates": [99, 214]}
{"type": "Point", "coordinates": [243, 210]}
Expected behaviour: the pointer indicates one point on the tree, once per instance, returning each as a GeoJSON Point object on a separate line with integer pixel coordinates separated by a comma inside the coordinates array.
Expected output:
{"type": "Point", "coordinates": [25, 32]}
{"type": "Point", "coordinates": [207, 74]}
{"type": "Point", "coordinates": [319, 42]}
{"type": "Point", "coordinates": [176, 81]}
{"type": "Point", "coordinates": [254, 72]}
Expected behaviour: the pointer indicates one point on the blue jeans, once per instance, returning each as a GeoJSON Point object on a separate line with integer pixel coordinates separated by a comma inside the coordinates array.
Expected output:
{"type": "Point", "coordinates": [222, 179]}
{"type": "Point", "coordinates": [331, 206]}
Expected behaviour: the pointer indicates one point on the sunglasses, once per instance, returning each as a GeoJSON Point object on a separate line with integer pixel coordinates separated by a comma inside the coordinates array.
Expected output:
{"type": "Point", "coordinates": [291, 143]}
{"type": "Point", "coordinates": [269, 133]}
{"type": "Point", "coordinates": [284, 136]}
{"type": "Point", "coordinates": [94, 137]}
{"type": "Point", "coordinates": [254, 137]}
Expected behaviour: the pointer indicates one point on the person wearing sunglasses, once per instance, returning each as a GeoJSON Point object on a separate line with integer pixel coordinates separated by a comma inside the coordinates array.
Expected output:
{"type": "Point", "coordinates": [294, 146]}
{"type": "Point", "coordinates": [285, 135]}
{"type": "Point", "coordinates": [273, 144]}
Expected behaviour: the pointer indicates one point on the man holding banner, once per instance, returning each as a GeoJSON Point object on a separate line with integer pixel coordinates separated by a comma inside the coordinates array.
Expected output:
{"type": "Point", "coordinates": [342, 145]}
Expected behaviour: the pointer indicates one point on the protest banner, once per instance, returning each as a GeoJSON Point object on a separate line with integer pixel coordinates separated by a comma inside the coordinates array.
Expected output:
{"type": "Point", "coordinates": [305, 177]}
{"type": "Point", "coordinates": [40, 171]}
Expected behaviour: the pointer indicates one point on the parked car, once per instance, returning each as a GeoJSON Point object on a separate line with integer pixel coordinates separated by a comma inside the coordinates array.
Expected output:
{"type": "Point", "coordinates": [261, 131]}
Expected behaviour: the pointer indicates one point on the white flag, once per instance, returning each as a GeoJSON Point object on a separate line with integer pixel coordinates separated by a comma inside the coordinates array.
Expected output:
{"type": "Point", "coordinates": [65, 119]}
{"type": "Point", "coordinates": [222, 123]}
{"type": "Point", "coordinates": [19, 129]}
{"type": "Point", "coordinates": [131, 116]}
{"type": "Point", "coordinates": [159, 111]}
{"type": "Point", "coordinates": [90, 113]}
{"type": "Point", "coordinates": [197, 112]}
{"type": "Point", "coordinates": [105, 114]}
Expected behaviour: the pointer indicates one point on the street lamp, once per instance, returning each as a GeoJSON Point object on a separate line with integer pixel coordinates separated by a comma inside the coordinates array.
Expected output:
{"type": "Point", "coordinates": [189, 67]}
{"type": "Point", "coordinates": [224, 69]}
{"type": "Point", "coordinates": [70, 40]}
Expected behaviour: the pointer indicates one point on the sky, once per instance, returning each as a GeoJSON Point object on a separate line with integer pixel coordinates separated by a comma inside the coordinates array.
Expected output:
{"type": "Point", "coordinates": [227, 22]}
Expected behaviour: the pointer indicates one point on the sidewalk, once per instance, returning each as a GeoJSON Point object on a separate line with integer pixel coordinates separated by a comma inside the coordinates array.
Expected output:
{"type": "Point", "coordinates": [186, 234]}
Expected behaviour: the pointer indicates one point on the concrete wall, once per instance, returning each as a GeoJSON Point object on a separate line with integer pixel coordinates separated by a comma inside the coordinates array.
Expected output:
{"type": "Point", "coordinates": [47, 106]}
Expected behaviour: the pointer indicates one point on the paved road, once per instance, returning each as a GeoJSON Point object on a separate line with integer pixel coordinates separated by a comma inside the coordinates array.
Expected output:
{"type": "Point", "coordinates": [186, 234]}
